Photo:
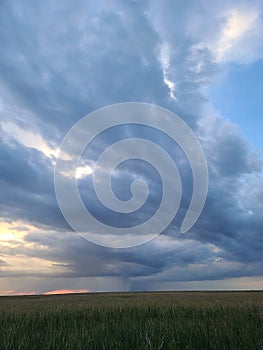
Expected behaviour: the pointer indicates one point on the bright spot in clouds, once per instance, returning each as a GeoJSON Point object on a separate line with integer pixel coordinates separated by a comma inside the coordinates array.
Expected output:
{"type": "Point", "coordinates": [29, 139]}
{"type": "Point", "coordinates": [237, 25]}
{"type": "Point", "coordinates": [83, 171]}
{"type": "Point", "coordinates": [13, 232]}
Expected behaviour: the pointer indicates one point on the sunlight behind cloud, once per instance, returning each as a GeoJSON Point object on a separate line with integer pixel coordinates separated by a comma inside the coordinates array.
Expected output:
{"type": "Point", "coordinates": [237, 24]}
{"type": "Point", "coordinates": [25, 264]}
{"type": "Point", "coordinates": [29, 138]}
{"type": "Point", "coordinates": [83, 171]}
{"type": "Point", "coordinates": [12, 233]}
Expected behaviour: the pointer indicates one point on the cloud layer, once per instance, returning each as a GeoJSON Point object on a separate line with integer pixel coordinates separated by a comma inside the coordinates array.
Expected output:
{"type": "Point", "coordinates": [59, 62]}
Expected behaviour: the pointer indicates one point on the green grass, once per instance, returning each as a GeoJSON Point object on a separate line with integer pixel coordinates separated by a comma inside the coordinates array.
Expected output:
{"type": "Point", "coordinates": [179, 320]}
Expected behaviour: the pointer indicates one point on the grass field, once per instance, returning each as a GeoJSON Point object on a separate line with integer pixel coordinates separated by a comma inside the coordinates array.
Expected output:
{"type": "Point", "coordinates": [168, 320]}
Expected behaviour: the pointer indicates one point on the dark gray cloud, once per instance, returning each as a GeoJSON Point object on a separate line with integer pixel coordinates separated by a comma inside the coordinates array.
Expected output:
{"type": "Point", "coordinates": [27, 185]}
{"type": "Point", "coordinates": [61, 72]}
{"type": "Point", "coordinates": [59, 62]}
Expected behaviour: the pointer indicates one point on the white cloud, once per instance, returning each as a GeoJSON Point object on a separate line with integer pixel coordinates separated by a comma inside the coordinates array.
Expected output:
{"type": "Point", "coordinates": [165, 62]}
{"type": "Point", "coordinates": [237, 25]}
{"type": "Point", "coordinates": [83, 171]}
{"type": "Point", "coordinates": [29, 138]}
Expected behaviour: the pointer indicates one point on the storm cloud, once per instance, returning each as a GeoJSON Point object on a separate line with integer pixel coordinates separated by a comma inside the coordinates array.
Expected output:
{"type": "Point", "coordinates": [58, 63]}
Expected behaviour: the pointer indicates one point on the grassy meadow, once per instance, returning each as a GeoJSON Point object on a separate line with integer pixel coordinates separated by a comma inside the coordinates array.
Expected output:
{"type": "Point", "coordinates": [112, 321]}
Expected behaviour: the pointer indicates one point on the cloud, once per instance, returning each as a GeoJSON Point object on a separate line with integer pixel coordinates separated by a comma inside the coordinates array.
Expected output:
{"type": "Point", "coordinates": [27, 185]}
{"type": "Point", "coordinates": [237, 25]}
{"type": "Point", "coordinates": [62, 61]}
{"type": "Point", "coordinates": [2, 263]}
{"type": "Point", "coordinates": [236, 38]}
{"type": "Point", "coordinates": [28, 138]}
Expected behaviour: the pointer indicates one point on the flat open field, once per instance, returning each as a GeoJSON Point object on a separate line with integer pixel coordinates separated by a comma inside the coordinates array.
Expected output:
{"type": "Point", "coordinates": [167, 320]}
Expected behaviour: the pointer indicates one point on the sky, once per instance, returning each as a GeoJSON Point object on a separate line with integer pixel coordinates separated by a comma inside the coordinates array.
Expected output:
{"type": "Point", "coordinates": [60, 61]}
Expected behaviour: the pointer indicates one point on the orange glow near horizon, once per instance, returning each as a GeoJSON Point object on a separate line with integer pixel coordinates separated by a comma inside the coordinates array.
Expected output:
{"type": "Point", "coordinates": [66, 291]}
{"type": "Point", "coordinates": [11, 292]}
